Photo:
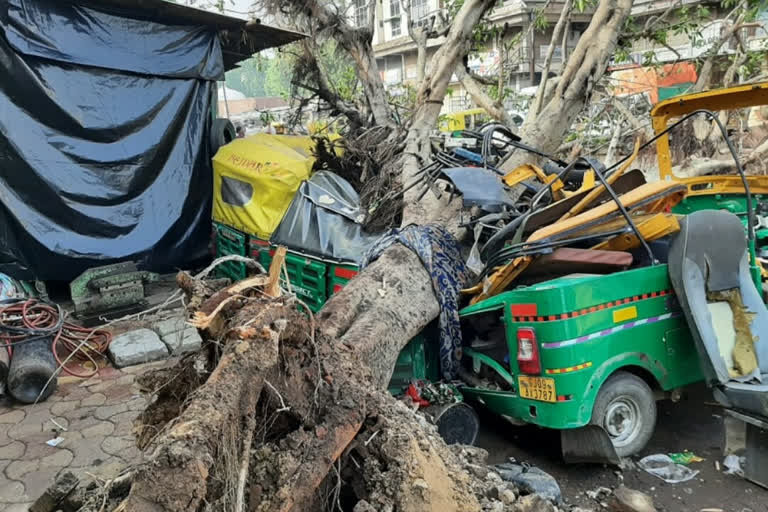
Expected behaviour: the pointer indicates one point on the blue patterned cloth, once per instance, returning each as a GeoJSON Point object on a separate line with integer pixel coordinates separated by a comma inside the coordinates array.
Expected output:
{"type": "Point", "coordinates": [439, 252]}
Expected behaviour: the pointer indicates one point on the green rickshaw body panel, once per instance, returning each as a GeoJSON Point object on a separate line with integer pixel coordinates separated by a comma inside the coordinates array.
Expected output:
{"type": "Point", "coordinates": [588, 327]}
{"type": "Point", "coordinates": [733, 203]}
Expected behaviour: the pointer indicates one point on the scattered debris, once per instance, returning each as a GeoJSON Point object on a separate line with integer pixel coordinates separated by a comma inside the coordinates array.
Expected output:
{"type": "Point", "coordinates": [734, 465]}
{"type": "Point", "coordinates": [57, 493]}
{"type": "Point", "coordinates": [685, 458]}
{"type": "Point", "coordinates": [530, 480]}
{"type": "Point", "coordinates": [55, 441]}
{"type": "Point", "coordinates": [662, 466]}
{"type": "Point", "coordinates": [600, 494]}
{"type": "Point", "coordinates": [533, 503]}
{"type": "Point", "coordinates": [625, 499]}
{"type": "Point", "coordinates": [627, 464]}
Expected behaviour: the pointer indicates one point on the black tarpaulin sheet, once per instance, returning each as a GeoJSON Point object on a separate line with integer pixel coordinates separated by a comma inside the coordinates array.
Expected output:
{"type": "Point", "coordinates": [75, 34]}
{"type": "Point", "coordinates": [324, 221]}
{"type": "Point", "coordinates": [103, 140]}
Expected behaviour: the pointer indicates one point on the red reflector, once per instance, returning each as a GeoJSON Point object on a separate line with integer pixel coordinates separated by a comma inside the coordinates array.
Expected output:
{"type": "Point", "coordinates": [345, 273]}
{"type": "Point", "coordinates": [524, 310]}
{"type": "Point", "coordinates": [260, 242]}
{"type": "Point", "coordinates": [337, 288]}
{"type": "Point", "coordinates": [564, 398]}
{"type": "Point", "coordinates": [272, 252]}
{"type": "Point", "coordinates": [255, 253]}
{"type": "Point", "coordinates": [528, 351]}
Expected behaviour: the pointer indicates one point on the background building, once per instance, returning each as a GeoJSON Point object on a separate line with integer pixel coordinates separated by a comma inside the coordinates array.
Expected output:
{"type": "Point", "coordinates": [396, 51]}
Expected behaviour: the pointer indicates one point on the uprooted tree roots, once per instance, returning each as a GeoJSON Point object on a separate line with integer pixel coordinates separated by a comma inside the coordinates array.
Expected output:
{"type": "Point", "coordinates": [279, 414]}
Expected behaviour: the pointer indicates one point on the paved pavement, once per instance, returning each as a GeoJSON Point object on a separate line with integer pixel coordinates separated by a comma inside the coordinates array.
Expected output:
{"type": "Point", "coordinates": [95, 420]}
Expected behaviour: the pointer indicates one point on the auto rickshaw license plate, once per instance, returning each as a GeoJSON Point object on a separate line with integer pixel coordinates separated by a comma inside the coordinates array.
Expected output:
{"type": "Point", "coordinates": [537, 388]}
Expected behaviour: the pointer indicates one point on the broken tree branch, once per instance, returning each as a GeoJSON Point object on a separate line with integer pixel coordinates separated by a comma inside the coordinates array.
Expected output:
{"type": "Point", "coordinates": [494, 108]}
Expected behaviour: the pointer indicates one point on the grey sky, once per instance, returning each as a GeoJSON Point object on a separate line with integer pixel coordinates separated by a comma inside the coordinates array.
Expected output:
{"type": "Point", "coordinates": [241, 6]}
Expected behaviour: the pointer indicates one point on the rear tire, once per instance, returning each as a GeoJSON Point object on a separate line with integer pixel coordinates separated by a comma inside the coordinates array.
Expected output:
{"type": "Point", "coordinates": [626, 409]}
{"type": "Point", "coordinates": [222, 133]}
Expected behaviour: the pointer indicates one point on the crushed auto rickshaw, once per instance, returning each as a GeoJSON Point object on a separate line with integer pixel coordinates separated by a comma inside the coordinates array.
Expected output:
{"type": "Point", "coordinates": [591, 350]}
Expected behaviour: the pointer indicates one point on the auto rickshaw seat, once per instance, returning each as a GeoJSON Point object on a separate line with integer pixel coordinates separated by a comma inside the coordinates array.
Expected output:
{"type": "Point", "coordinates": [708, 265]}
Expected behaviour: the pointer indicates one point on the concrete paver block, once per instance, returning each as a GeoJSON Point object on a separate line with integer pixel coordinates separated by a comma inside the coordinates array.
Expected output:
{"type": "Point", "coordinates": [182, 342]}
{"type": "Point", "coordinates": [12, 451]}
{"type": "Point", "coordinates": [170, 326]}
{"type": "Point", "coordinates": [11, 491]}
{"type": "Point", "coordinates": [136, 347]}
{"type": "Point", "coordinates": [12, 417]}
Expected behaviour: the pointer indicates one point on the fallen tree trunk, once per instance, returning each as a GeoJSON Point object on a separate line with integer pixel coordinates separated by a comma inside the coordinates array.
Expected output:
{"type": "Point", "coordinates": [316, 389]}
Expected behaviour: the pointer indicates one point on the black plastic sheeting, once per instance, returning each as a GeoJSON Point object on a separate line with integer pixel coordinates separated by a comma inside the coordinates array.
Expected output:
{"type": "Point", "coordinates": [71, 33]}
{"type": "Point", "coordinates": [103, 140]}
{"type": "Point", "coordinates": [324, 221]}
{"type": "Point", "coordinates": [480, 187]}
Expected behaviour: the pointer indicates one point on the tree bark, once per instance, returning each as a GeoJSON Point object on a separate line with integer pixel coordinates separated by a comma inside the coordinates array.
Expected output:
{"type": "Point", "coordinates": [419, 36]}
{"type": "Point", "coordinates": [176, 476]}
{"type": "Point", "coordinates": [609, 157]}
{"type": "Point", "coordinates": [584, 68]}
{"type": "Point", "coordinates": [429, 101]}
{"type": "Point", "coordinates": [556, 35]}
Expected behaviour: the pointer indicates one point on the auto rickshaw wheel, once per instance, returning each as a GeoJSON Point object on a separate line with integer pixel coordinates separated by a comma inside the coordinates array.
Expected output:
{"type": "Point", "coordinates": [626, 409]}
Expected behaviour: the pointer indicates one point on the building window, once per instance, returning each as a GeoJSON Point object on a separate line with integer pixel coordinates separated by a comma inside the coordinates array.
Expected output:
{"type": "Point", "coordinates": [419, 9]}
{"type": "Point", "coordinates": [395, 27]}
{"type": "Point", "coordinates": [394, 8]}
{"type": "Point", "coordinates": [360, 12]}
{"type": "Point", "coordinates": [394, 13]}
{"type": "Point", "coordinates": [557, 55]}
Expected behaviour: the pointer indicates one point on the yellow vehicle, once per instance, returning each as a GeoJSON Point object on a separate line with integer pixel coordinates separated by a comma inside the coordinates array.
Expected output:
{"type": "Point", "coordinates": [255, 179]}
{"type": "Point", "coordinates": [716, 192]}
{"type": "Point", "coordinates": [464, 120]}
{"type": "Point", "coordinates": [743, 96]}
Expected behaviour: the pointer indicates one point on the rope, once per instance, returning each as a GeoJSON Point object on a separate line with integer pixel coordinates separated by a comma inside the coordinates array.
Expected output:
{"type": "Point", "coordinates": [30, 320]}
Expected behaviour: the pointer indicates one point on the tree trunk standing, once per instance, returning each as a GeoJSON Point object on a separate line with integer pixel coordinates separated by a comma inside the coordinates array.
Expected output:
{"type": "Point", "coordinates": [368, 72]}
{"type": "Point", "coordinates": [429, 101]}
{"type": "Point", "coordinates": [556, 35]}
{"type": "Point", "coordinates": [566, 34]}
{"type": "Point", "coordinates": [421, 58]}
{"type": "Point", "coordinates": [419, 36]}
{"type": "Point", "coordinates": [609, 157]}
{"type": "Point", "coordinates": [500, 80]}
{"type": "Point", "coordinates": [583, 69]}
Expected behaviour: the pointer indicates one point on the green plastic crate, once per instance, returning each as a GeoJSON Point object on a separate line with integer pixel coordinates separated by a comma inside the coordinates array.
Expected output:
{"type": "Point", "coordinates": [261, 251]}
{"type": "Point", "coordinates": [339, 276]}
{"type": "Point", "coordinates": [308, 280]}
{"type": "Point", "coordinates": [230, 241]}
{"type": "Point", "coordinates": [419, 360]}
